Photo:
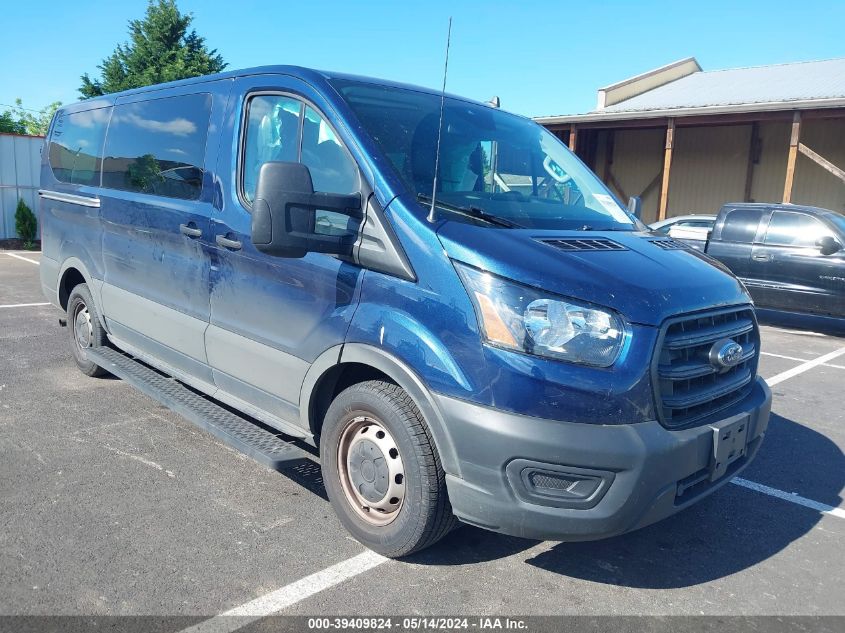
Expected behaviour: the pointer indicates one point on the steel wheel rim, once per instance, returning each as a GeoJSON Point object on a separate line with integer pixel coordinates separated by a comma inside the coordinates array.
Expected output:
{"type": "Point", "coordinates": [83, 330]}
{"type": "Point", "coordinates": [371, 470]}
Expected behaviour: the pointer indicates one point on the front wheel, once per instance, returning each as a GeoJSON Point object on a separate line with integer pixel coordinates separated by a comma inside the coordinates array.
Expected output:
{"type": "Point", "coordinates": [382, 471]}
{"type": "Point", "coordinates": [85, 328]}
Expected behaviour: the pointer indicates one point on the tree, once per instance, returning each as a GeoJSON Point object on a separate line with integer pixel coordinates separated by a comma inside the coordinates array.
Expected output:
{"type": "Point", "coordinates": [10, 124]}
{"type": "Point", "coordinates": [36, 122]}
{"type": "Point", "coordinates": [160, 49]}
{"type": "Point", "coordinates": [22, 120]}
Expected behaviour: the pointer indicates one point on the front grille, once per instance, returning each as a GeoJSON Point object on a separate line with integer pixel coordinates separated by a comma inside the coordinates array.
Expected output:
{"type": "Point", "coordinates": [689, 388]}
{"type": "Point", "coordinates": [586, 244]}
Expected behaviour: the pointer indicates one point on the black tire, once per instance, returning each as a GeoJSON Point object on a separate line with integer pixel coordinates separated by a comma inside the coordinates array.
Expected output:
{"type": "Point", "coordinates": [425, 515]}
{"type": "Point", "coordinates": [84, 326]}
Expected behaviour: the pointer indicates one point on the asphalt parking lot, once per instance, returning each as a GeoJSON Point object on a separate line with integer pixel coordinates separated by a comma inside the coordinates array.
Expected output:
{"type": "Point", "coordinates": [110, 504]}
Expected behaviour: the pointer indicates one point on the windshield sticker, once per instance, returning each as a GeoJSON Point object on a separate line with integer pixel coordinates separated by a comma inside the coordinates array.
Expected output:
{"type": "Point", "coordinates": [613, 208]}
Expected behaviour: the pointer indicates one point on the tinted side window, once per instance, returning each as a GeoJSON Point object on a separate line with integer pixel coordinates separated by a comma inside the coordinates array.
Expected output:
{"type": "Point", "coordinates": [281, 128]}
{"type": "Point", "coordinates": [332, 171]}
{"type": "Point", "coordinates": [76, 146]}
{"type": "Point", "coordinates": [272, 134]}
{"type": "Point", "coordinates": [794, 229]}
{"type": "Point", "coordinates": [741, 225]}
{"type": "Point", "coordinates": [158, 146]}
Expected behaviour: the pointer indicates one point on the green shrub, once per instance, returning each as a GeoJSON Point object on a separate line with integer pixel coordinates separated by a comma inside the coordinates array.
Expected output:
{"type": "Point", "coordinates": [26, 224]}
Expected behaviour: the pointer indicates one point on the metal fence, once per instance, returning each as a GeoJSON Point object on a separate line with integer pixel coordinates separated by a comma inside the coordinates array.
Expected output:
{"type": "Point", "coordinates": [20, 166]}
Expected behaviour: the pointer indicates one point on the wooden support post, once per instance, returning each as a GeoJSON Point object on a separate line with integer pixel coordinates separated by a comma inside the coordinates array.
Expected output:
{"type": "Point", "coordinates": [822, 162]}
{"type": "Point", "coordinates": [753, 159]}
{"type": "Point", "coordinates": [611, 180]}
{"type": "Point", "coordinates": [607, 175]}
{"type": "Point", "coordinates": [654, 182]}
{"type": "Point", "coordinates": [667, 166]}
{"type": "Point", "coordinates": [573, 138]}
{"type": "Point", "coordinates": [793, 156]}
{"type": "Point", "coordinates": [608, 154]}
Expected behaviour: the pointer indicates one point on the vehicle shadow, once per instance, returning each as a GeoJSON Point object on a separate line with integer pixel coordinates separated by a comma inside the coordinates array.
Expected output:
{"type": "Point", "coordinates": [799, 460]}
{"type": "Point", "coordinates": [823, 325]}
{"type": "Point", "coordinates": [307, 473]}
{"type": "Point", "coordinates": [732, 530]}
{"type": "Point", "coordinates": [468, 545]}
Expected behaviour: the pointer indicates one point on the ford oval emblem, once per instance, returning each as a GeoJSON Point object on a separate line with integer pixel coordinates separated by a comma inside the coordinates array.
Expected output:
{"type": "Point", "coordinates": [725, 354]}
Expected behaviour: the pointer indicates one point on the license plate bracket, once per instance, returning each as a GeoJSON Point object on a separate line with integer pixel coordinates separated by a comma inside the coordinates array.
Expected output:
{"type": "Point", "coordinates": [730, 443]}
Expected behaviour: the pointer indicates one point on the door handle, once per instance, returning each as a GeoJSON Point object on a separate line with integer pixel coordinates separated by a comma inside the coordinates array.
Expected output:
{"type": "Point", "coordinates": [225, 242]}
{"type": "Point", "coordinates": [190, 230]}
{"type": "Point", "coordinates": [761, 258]}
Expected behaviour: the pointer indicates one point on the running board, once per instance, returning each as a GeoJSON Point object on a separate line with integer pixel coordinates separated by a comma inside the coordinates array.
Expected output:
{"type": "Point", "coordinates": [262, 444]}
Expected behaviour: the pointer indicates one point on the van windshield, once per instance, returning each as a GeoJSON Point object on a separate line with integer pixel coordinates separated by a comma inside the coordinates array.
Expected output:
{"type": "Point", "coordinates": [491, 162]}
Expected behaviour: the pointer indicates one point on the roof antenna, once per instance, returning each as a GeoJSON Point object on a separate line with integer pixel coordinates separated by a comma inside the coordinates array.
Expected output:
{"type": "Point", "coordinates": [431, 214]}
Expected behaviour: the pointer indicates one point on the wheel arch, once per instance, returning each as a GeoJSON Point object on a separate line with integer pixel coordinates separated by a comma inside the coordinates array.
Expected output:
{"type": "Point", "coordinates": [345, 365]}
{"type": "Point", "coordinates": [72, 273]}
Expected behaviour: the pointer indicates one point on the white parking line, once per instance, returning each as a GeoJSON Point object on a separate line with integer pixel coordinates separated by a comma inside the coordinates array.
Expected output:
{"type": "Point", "coordinates": [799, 332]}
{"type": "Point", "coordinates": [791, 497]}
{"type": "Point", "coordinates": [289, 595]}
{"type": "Point", "coordinates": [800, 360]}
{"type": "Point", "coordinates": [23, 305]}
{"type": "Point", "coordinates": [31, 261]}
{"type": "Point", "coordinates": [790, 373]}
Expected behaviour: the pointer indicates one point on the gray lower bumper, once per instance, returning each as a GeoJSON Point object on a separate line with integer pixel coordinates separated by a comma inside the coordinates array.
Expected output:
{"type": "Point", "coordinates": [645, 466]}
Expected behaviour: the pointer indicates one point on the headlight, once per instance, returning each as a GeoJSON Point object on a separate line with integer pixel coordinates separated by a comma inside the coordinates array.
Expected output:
{"type": "Point", "coordinates": [529, 320]}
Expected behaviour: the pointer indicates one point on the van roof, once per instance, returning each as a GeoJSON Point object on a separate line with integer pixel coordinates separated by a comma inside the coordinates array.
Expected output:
{"type": "Point", "coordinates": [308, 74]}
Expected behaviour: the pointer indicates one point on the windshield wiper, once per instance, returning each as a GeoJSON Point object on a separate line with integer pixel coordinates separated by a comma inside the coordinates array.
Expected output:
{"type": "Point", "coordinates": [471, 212]}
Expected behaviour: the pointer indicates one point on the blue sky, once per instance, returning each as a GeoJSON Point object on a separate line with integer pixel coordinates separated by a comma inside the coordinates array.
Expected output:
{"type": "Point", "coordinates": [538, 57]}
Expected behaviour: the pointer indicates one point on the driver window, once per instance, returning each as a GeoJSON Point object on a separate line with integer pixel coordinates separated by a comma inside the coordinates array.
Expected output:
{"type": "Point", "coordinates": [332, 171]}
{"type": "Point", "coordinates": [272, 134]}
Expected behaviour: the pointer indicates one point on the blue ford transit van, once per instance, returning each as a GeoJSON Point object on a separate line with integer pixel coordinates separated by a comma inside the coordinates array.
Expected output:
{"type": "Point", "coordinates": [451, 306]}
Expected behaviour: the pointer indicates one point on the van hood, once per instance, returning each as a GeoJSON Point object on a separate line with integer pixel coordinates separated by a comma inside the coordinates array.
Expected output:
{"type": "Point", "coordinates": [631, 273]}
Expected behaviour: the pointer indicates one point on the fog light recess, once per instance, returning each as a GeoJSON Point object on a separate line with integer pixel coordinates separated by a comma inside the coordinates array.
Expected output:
{"type": "Point", "coordinates": [560, 486]}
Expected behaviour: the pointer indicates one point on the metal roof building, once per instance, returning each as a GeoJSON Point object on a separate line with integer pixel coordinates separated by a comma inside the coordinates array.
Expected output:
{"type": "Point", "coordinates": [688, 140]}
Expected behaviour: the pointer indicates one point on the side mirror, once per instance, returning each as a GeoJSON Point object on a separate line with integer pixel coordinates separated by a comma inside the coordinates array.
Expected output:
{"type": "Point", "coordinates": [285, 208]}
{"type": "Point", "coordinates": [828, 245]}
{"type": "Point", "coordinates": [635, 207]}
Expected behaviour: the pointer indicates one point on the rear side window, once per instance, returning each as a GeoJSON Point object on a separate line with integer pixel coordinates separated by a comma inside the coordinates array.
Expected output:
{"type": "Point", "coordinates": [741, 225]}
{"type": "Point", "coordinates": [158, 146]}
{"type": "Point", "coordinates": [787, 228]}
{"type": "Point", "coordinates": [76, 146]}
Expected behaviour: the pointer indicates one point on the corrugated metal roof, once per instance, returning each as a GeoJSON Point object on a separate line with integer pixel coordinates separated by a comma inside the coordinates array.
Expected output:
{"type": "Point", "coordinates": [798, 81]}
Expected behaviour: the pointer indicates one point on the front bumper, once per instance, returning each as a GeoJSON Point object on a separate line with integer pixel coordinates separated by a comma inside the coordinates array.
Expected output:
{"type": "Point", "coordinates": [648, 472]}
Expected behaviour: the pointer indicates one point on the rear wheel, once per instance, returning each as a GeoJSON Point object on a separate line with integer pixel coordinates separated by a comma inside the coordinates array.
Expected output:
{"type": "Point", "coordinates": [85, 329]}
{"type": "Point", "coordinates": [382, 472]}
